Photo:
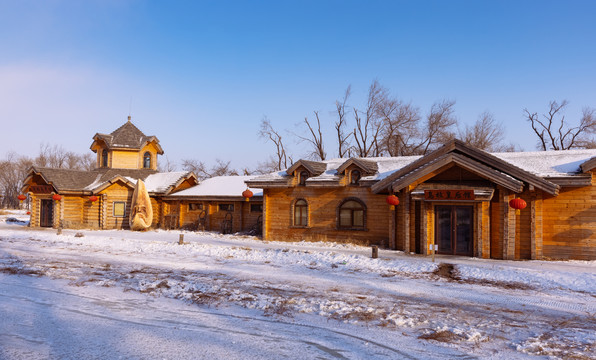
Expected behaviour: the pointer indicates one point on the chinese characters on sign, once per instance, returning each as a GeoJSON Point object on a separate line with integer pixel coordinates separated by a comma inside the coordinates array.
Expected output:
{"type": "Point", "coordinates": [460, 195]}
{"type": "Point", "coordinates": [40, 189]}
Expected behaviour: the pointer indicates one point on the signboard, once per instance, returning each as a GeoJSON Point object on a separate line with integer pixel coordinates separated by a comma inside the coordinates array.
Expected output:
{"type": "Point", "coordinates": [41, 189]}
{"type": "Point", "coordinates": [455, 195]}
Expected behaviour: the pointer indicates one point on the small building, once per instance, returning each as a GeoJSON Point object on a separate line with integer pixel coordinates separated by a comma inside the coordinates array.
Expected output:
{"type": "Point", "coordinates": [101, 198]}
{"type": "Point", "coordinates": [216, 204]}
{"type": "Point", "coordinates": [455, 200]}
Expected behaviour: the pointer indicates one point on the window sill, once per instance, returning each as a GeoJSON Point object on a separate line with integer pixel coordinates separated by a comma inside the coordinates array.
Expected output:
{"type": "Point", "coordinates": [299, 227]}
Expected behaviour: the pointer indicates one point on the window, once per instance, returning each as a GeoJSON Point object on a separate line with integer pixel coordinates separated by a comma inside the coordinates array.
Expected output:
{"type": "Point", "coordinates": [119, 209]}
{"type": "Point", "coordinates": [147, 160]}
{"type": "Point", "coordinates": [226, 207]}
{"type": "Point", "coordinates": [195, 206]}
{"type": "Point", "coordinates": [256, 208]}
{"type": "Point", "coordinates": [303, 176]}
{"type": "Point", "coordinates": [355, 176]}
{"type": "Point", "coordinates": [352, 214]}
{"type": "Point", "coordinates": [300, 213]}
{"type": "Point", "coordinates": [104, 158]}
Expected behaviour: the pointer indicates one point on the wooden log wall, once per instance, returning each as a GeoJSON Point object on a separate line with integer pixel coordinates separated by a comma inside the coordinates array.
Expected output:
{"type": "Point", "coordinates": [115, 193]}
{"type": "Point", "coordinates": [569, 224]}
{"type": "Point", "coordinates": [322, 215]}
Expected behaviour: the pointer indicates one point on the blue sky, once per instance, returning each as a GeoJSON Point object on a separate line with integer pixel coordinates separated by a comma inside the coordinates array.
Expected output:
{"type": "Point", "coordinates": [202, 74]}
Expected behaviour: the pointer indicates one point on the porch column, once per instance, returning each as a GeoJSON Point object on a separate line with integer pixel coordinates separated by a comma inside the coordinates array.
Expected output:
{"type": "Point", "coordinates": [103, 217]}
{"type": "Point", "coordinates": [405, 209]}
{"type": "Point", "coordinates": [536, 226]}
{"type": "Point", "coordinates": [392, 230]}
{"type": "Point", "coordinates": [482, 234]}
{"type": "Point", "coordinates": [424, 233]}
{"type": "Point", "coordinates": [508, 226]}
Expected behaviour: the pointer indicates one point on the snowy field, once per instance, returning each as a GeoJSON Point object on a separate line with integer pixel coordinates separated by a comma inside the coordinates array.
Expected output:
{"type": "Point", "coordinates": [119, 294]}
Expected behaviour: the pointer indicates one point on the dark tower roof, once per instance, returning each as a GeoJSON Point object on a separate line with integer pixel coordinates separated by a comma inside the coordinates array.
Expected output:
{"type": "Point", "coordinates": [127, 136]}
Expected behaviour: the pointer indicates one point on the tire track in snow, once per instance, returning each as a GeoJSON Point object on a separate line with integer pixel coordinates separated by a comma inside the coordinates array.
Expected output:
{"type": "Point", "coordinates": [155, 323]}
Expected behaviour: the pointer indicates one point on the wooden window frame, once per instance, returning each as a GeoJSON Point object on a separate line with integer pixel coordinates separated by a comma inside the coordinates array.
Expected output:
{"type": "Point", "coordinates": [220, 207]}
{"type": "Point", "coordinates": [353, 180]}
{"type": "Point", "coordinates": [114, 209]}
{"type": "Point", "coordinates": [352, 226]}
{"type": "Point", "coordinates": [198, 205]}
{"type": "Point", "coordinates": [302, 177]}
{"type": "Point", "coordinates": [256, 211]}
{"type": "Point", "coordinates": [105, 158]}
{"type": "Point", "coordinates": [147, 156]}
{"type": "Point", "coordinates": [305, 207]}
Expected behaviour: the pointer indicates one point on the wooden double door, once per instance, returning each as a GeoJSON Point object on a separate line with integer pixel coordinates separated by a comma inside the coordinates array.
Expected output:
{"type": "Point", "coordinates": [46, 213]}
{"type": "Point", "coordinates": [454, 229]}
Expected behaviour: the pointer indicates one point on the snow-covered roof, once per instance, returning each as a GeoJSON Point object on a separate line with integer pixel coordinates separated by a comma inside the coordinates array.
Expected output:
{"type": "Point", "coordinates": [161, 182]}
{"type": "Point", "coordinates": [220, 186]}
{"type": "Point", "coordinates": [549, 163]}
{"type": "Point", "coordinates": [546, 164]}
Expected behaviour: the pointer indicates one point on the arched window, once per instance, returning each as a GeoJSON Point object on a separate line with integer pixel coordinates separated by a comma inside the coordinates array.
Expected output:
{"type": "Point", "coordinates": [300, 213]}
{"type": "Point", "coordinates": [352, 214]}
{"type": "Point", "coordinates": [303, 176]}
{"type": "Point", "coordinates": [104, 158]}
{"type": "Point", "coordinates": [147, 160]}
{"type": "Point", "coordinates": [355, 177]}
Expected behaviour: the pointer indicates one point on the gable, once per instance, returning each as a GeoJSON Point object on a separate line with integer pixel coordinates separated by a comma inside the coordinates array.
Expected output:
{"type": "Point", "coordinates": [474, 160]}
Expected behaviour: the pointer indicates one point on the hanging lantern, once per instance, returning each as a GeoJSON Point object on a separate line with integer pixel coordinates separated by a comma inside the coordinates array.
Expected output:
{"type": "Point", "coordinates": [57, 197]}
{"type": "Point", "coordinates": [93, 198]}
{"type": "Point", "coordinates": [517, 204]}
{"type": "Point", "coordinates": [247, 194]}
{"type": "Point", "coordinates": [393, 201]}
{"type": "Point", "coordinates": [21, 197]}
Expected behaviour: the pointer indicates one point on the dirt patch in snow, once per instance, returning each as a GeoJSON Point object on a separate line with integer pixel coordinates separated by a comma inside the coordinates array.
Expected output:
{"type": "Point", "coordinates": [450, 273]}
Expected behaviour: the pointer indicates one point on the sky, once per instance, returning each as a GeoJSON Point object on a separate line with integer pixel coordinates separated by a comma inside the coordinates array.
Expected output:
{"type": "Point", "coordinates": [201, 75]}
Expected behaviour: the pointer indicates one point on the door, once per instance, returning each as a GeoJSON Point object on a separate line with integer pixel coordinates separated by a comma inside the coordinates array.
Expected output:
{"type": "Point", "coordinates": [46, 213]}
{"type": "Point", "coordinates": [454, 229]}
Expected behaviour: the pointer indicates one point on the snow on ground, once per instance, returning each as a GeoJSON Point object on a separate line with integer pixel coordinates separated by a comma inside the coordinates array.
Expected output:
{"type": "Point", "coordinates": [142, 295]}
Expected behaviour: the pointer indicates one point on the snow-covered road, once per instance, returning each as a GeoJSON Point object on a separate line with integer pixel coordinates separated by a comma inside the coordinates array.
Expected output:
{"type": "Point", "coordinates": [239, 297]}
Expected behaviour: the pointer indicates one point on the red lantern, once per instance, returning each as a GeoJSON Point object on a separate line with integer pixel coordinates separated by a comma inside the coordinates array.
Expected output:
{"type": "Point", "coordinates": [393, 201]}
{"type": "Point", "coordinates": [518, 204]}
{"type": "Point", "coordinates": [247, 194]}
{"type": "Point", "coordinates": [21, 197]}
{"type": "Point", "coordinates": [93, 198]}
{"type": "Point", "coordinates": [57, 197]}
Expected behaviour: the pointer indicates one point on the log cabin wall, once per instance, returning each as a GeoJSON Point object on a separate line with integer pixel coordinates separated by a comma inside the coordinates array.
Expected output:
{"type": "Point", "coordinates": [569, 224]}
{"type": "Point", "coordinates": [322, 223]}
{"type": "Point", "coordinates": [117, 193]}
{"type": "Point", "coordinates": [124, 159]}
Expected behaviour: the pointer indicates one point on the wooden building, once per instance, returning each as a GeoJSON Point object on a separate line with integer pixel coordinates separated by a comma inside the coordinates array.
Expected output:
{"type": "Point", "coordinates": [216, 204]}
{"type": "Point", "coordinates": [101, 198]}
{"type": "Point", "coordinates": [455, 199]}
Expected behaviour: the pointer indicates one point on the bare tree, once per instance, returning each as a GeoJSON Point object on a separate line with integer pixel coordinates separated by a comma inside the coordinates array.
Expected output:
{"type": "Point", "coordinates": [197, 167]}
{"type": "Point", "coordinates": [400, 126]}
{"type": "Point", "coordinates": [343, 138]}
{"type": "Point", "coordinates": [272, 135]}
{"type": "Point", "coordinates": [88, 162]}
{"type": "Point", "coordinates": [437, 129]}
{"type": "Point", "coordinates": [222, 168]}
{"type": "Point", "coordinates": [367, 130]}
{"type": "Point", "coordinates": [486, 133]}
{"type": "Point", "coordinates": [166, 165]}
{"type": "Point", "coordinates": [315, 138]}
{"type": "Point", "coordinates": [554, 133]}
{"type": "Point", "coordinates": [12, 173]}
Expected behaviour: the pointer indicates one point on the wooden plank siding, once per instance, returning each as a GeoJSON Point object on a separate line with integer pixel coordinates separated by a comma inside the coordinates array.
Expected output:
{"type": "Point", "coordinates": [322, 215]}
{"type": "Point", "coordinates": [115, 193]}
{"type": "Point", "coordinates": [569, 224]}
